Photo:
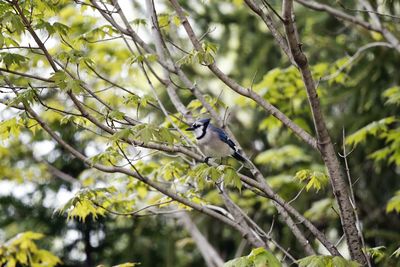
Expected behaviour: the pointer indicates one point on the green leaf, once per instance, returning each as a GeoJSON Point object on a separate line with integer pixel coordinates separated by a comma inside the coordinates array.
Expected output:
{"type": "Point", "coordinates": [371, 129]}
{"type": "Point", "coordinates": [66, 82]}
{"type": "Point", "coordinates": [45, 258]}
{"type": "Point", "coordinates": [82, 204]}
{"type": "Point", "coordinates": [377, 253]}
{"type": "Point", "coordinates": [231, 177]}
{"type": "Point", "coordinates": [145, 57]}
{"type": "Point", "coordinates": [26, 97]}
{"type": "Point", "coordinates": [176, 20]}
{"type": "Point", "coordinates": [10, 59]}
{"type": "Point", "coordinates": [326, 261]}
{"type": "Point", "coordinates": [263, 258]}
{"type": "Point", "coordinates": [165, 135]}
{"type": "Point", "coordinates": [173, 170]}
{"type": "Point", "coordinates": [23, 251]}
{"type": "Point", "coordinates": [394, 203]}
{"type": "Point", "coordinates": [163, 20]}
{"type": "Point", "coordinates": [210, 47]}
{"type": "Point", "coordinates": [132, 99]}
{"type": "Point", "coordinates": [116, 114]}
{"type": "Point", "coordinates": [146, 134]}
{"type": "Point", "coordinates": [83, 208]}
{"type": "Point", "coordinates": [61, 28]}
{"type": "Point", "coordinates": [9, 127]}
{"type": "Point", "coordinates": [239, 262]}
{"type": "Point", "coordinates": [12, 22]}
{"type": "Point", "coordinates": [259, 257]}
{"type": "Point", "coordinates": [380, 154]}
{"type": "Point", "coordinates": [392, 95]}
{"type": "Point", "coordinates": [100, 33]}
{"type": "Point", "coordinates": [127, 264]}
{"type": "Point", "coordinates": [201, 174]}
{"type": "Point", "coordinates": [314, 179]}
{"type": "Point", "coordinates": [110, 155]}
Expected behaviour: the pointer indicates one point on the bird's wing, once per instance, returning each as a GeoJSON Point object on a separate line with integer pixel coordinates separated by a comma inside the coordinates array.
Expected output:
{"type": "Point", "coordinates": [224, 138]}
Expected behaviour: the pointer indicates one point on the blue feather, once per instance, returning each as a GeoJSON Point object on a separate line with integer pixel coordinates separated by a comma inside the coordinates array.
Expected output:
{"type": "Point", "coordinates": [224, 137]}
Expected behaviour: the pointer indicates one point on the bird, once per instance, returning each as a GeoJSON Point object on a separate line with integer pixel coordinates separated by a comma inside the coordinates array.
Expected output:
{"type": "Point", "coordinates": [213, 141]}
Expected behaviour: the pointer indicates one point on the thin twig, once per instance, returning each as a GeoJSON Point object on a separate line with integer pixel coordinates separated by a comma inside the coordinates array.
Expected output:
{"type": "Point", "coordinates": [352, 198]}
{"type": "Point", "coordinates": [367, 11]}
{"type": "Point", "coordinates": [353, 58]}
{"type": "Point", "coordinates": [135, 213]}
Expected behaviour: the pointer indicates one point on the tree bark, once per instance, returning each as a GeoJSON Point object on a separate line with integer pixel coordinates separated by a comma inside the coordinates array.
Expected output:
{"type": "Point", "coordinates": [324, 142]}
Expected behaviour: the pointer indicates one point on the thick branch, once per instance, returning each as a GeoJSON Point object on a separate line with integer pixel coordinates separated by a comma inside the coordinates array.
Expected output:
{"type": "Point", "coordinates": [325, 144]}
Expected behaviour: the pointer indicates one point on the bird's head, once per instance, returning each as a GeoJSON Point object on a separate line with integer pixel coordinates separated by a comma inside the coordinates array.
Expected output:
{"type": "Point", "coordinates": [199, 126]}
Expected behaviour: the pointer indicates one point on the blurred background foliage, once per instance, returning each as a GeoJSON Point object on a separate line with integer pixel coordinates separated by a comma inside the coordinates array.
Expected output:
{"type": "Point", "coordinates": [361, 97]}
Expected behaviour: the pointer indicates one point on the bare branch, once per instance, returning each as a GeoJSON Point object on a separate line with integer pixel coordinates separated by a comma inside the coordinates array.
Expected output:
{"type": "Point", "coordinates": [385, 32]}
{"type": "Point", "coordinates": [325, 144]}
{"type": "Point", "coordinates": [338, 14]}
{"type": "Point", "coordinates": [136, 212]}
{"type": "Point", "coordinates": [31, 76]}
{"type": "Point", "coordinates": [368, 11]}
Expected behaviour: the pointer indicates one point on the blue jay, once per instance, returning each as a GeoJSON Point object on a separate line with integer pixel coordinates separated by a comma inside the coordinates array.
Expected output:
{"type": "Point", "coordinates": [213, 141]}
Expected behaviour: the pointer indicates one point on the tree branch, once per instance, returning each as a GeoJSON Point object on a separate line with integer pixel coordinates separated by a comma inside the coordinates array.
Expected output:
{"type": "Point", "coordinates": [31, 76]}
{"type": "Point", "coordinates": [376, 26]}
{"type": "Point", "coordinates": [338, 14]}
{"type": "Point", "coordinates": [325, 145]}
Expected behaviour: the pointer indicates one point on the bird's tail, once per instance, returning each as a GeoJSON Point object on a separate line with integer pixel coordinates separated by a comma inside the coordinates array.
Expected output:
{"type": "Point", "coordinates": [239, 157]}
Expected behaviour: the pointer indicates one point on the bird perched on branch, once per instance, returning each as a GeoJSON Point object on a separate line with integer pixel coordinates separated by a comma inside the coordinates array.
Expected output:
{"type": "Point", "coordinates": [213, 141]}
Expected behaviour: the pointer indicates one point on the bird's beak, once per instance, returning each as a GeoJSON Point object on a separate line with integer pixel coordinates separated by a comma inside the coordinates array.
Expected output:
{"type": "Point", "coordinates": [189, 129]}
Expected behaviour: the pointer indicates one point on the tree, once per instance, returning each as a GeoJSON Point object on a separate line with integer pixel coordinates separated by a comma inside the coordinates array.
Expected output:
{"type": "Point", "coordinates": [113, 91]}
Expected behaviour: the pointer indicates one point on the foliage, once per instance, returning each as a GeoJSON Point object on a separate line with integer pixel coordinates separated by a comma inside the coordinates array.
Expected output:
{"type": "Point", "coordinates": [258, 257]}
{"type": "Point", "coordinates": [84, 203]}
{"type": "Point", "coordinates": [394, 203]}
{"type": "Point", "coordinates": [359, 91]}
{"type": "Point", "coordinates": [23, 251]}
{"type": "Point", "coordinates": [207, 175]}
{"type": "Point", "coordinates": [377, 253]}
{"type": "Point", "coordinates": [326, 261]}
{"type": "Point", "coordinates": [314, 179]}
